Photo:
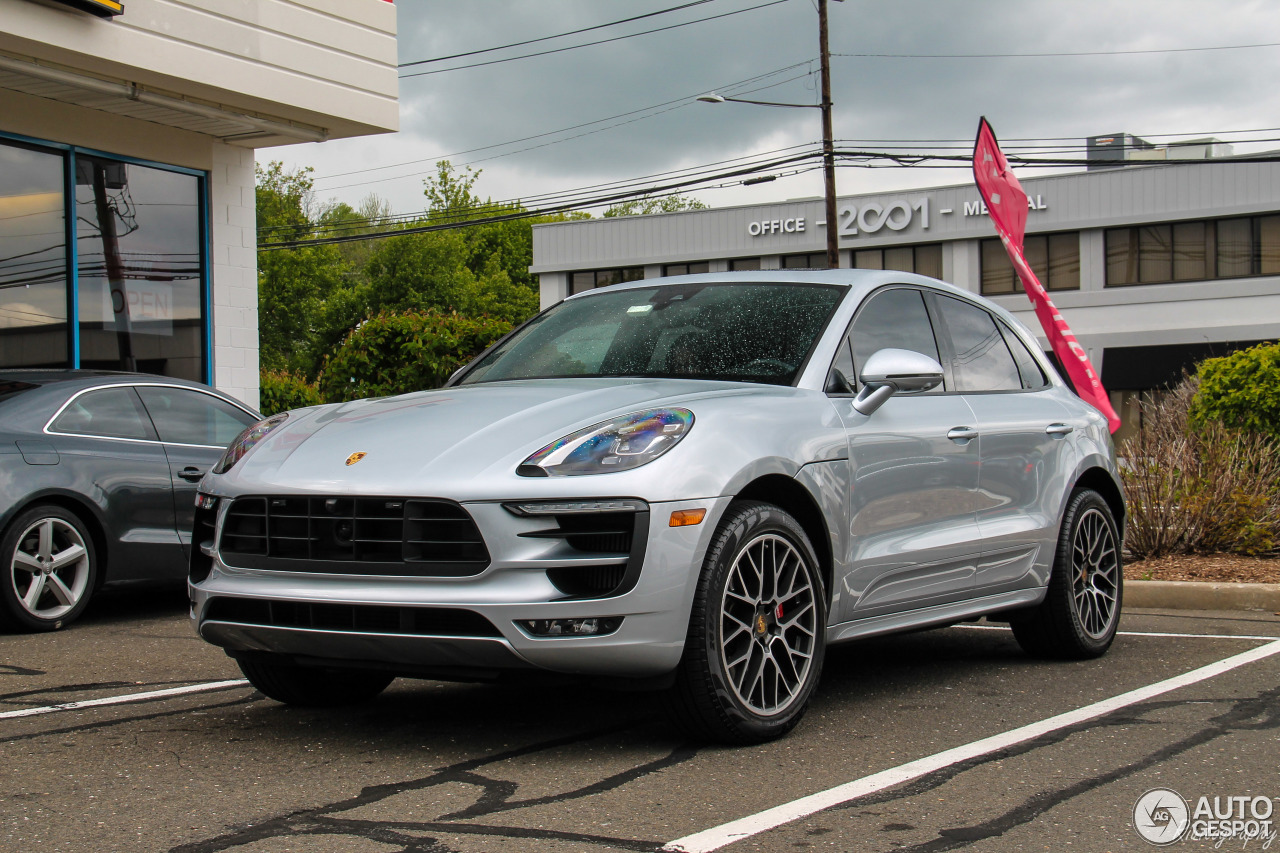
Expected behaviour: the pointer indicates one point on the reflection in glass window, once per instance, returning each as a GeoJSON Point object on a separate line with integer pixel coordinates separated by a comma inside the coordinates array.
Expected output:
{"type": "Point", "coordinates": [591, 279]}
{"type": "Point", "coordinates": [183, 416]}
{"type": "Point", "coordinates": [809, 261]}
{"type": "Point", "coordinates": [33, 259]}
{"type": "Point", "coordinates": [1193, 251]}
{"type": "Point", "coordinates": [747, 264]}
{"type": "Point", "coordinates": [138, 243]}
{"type": "Point", "coordinates": [924, 259]}
{"type": "Point", "coordinates": [980, 359]}
{"type": "Point", "coordinates": [893, 318]}
{"type": "Point", "coordinates": [110, 412]}
{"type": "Point", "coordinates": [1054, 258]}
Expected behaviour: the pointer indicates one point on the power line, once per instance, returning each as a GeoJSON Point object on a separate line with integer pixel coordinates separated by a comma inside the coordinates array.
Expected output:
{"type": "Point", "coordinates": [593, 43]}
{"type": "Point", "coordinates": [1043, 55]}
{"type": "Point", "coordinates": [558, 35]}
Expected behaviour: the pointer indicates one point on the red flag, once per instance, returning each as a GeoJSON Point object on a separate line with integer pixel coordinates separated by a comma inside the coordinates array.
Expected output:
{"type": "Point", "coordinates": [1007, 205]}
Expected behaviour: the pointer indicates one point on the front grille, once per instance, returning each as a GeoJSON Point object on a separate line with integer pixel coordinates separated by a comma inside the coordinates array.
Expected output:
{"type": "Point", "coordinates": [588, 581]}
{"type": "Point", "coordinates": [364, 618]}
{"type": "Point", "coordinates": [376, 536]}
{"type": "Point", "coordinates": [619, 535]}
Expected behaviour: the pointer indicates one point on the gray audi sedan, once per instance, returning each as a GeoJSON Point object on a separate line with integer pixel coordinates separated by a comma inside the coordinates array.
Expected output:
{"type": "Point", "coordinates": [693, 484]}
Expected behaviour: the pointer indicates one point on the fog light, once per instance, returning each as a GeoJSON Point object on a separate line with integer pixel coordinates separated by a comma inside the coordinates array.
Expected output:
{"type": "Point", "coordinates": [204, 501]}
{"type": "Point", "coordinates": [589, 627]}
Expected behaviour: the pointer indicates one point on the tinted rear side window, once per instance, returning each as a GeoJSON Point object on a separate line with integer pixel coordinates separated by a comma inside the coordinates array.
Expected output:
{"type": "Point", "coordinates": [980, 359]}
{"type": "Point", "coordinates": [109, 412]}
{"type": "Point", "coordinates": [1028, 368]}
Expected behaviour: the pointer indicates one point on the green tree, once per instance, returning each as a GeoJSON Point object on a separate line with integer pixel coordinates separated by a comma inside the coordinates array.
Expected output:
{"type": "Point", "coordinates": [1241, 390]}
{"type": "Point", "coordinates": [659, 204]}
{"type": "Point", "coordinates": [293, 284]}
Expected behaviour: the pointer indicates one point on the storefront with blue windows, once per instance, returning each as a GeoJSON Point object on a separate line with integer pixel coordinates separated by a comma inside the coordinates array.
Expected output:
{"type": "Point", "coordinates": [127, 146]}
{"type": "Point", "coordinates": [103, 262]}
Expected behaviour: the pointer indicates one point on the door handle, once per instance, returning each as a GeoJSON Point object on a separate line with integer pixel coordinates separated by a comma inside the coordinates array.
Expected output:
{"type": "Point", "coordinates": [962, 433]}
{"type": "Point", "coordinates": [1059, 430]}
{"type": "Point", "coordinates": [191, 475]}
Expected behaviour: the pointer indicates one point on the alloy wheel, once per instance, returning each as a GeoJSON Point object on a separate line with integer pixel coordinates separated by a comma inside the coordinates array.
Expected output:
{"type": "Point", "coordinates": [50, 568]}
{"type": "Point", "coordinates": [1095, 566]}
{"type": "Point", "coordinates": [768, 624]}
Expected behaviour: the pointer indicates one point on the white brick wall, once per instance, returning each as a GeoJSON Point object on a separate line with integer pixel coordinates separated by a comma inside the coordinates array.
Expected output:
{"type": "Point", "coordinates": [235, 273]}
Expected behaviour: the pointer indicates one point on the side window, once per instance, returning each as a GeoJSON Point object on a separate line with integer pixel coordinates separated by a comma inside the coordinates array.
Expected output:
{"type": "Point", "coordinates": [183, 416]}
{"type": "Point", "coordinates": [893, 318]}
{"type": "Point", "coordinates": [110, 412]}
{"type": "Point", "coordinates": [1033, 377]}
{"type": "Point", "coordinates": [980, 359]}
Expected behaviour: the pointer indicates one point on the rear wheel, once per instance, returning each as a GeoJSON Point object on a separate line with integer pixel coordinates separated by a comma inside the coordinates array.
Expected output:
{"type": "Point", "coordinates": [51, 569]}
{"type": "Point", "coordinates": [755, 645]}
{"type": "Point", "coordinates": [1081, 610]}
{"type": "Point", "coordinates": [311, 686]}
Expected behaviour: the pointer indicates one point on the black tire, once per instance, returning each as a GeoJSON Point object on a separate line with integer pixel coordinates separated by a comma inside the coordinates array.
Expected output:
{"type": "Point", "coordinates": [311, 686]}
{"type": "Point", "coordinates": [711, 699]}
{"type": "Point", "coordinates": [1081, 611]}
{"type": "Point", "coordinates": [50, 569]}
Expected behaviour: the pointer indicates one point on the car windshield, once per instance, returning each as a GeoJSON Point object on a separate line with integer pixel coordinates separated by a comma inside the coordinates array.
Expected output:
{"type": "Point", "coordinates": [748, 332]}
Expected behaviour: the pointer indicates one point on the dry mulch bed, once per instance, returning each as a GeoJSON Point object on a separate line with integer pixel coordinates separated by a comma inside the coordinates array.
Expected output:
{"type": "Point", "coordinates": [1222, 568]}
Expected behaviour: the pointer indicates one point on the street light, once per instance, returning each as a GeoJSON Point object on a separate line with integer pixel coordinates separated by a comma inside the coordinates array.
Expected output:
{"type": "Point", "coordinates": [828, 144]}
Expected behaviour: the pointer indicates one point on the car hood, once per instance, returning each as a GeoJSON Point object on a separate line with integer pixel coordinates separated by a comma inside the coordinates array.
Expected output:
{"type": "Point", "coordinates": [436, 439]}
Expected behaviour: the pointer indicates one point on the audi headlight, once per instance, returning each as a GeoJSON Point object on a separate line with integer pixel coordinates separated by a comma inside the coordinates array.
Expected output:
{"type": "Point", "coordinates": [246, 440]}
{"type": "Point", "coordinates": [617, 445]}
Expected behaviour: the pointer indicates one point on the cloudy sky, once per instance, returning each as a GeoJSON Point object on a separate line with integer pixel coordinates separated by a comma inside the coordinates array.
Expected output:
{"type": "Point", "coordinates": [625, 110]}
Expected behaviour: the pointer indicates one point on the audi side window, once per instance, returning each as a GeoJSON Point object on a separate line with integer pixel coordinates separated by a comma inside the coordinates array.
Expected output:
{"type": "Point", "coordinates": [107, 412]}
{"type": "Point", "coordinates": [980, 359]}
{"type": "Point", "coordinates": [182, 416]}
{"type": "Point", "coordinates": [893, 318]}
{"type": "Point", "coordinates": [1033, 377]}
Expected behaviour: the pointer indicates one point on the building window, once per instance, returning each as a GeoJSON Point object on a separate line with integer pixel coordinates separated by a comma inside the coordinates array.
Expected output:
{"type": "Point", "coordinates": [33, 259]}
{"type": "Point", "coordinates": [590, 279]}
{"type": "Point", "coordinates": [1193, 251]}
{"type": "Point", "coordinates": [925, 259]}
{"type": "Point", "coordinates": [137, 299]}
{"type": "Point", "coordinates": [1054, 258]}
{"type": "Point", "coordinates": [744, 264]}
{"type": "Point", "coordinates": [686, 269]}
{"type": "Point", "coordinates": [811, 261]}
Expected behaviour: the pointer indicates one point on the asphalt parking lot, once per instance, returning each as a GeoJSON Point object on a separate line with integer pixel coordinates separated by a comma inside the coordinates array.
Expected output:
{"type": "Point", "coordinates": [933, 741]}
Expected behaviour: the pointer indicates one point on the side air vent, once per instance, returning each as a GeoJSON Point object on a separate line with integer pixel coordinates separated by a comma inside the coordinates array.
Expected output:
{"type": "Point", "coordinates": [612, 531]}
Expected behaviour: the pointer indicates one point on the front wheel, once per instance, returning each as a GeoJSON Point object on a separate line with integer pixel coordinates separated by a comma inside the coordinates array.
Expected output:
{"type": "Point", "coordinates": [51, 569]}
{"type": "Point", "coordinates": [1081, 610]}
{"type": "Point", "coordinates": [755, 644]}
{"type": "Point", "coordinates": [311, 686]}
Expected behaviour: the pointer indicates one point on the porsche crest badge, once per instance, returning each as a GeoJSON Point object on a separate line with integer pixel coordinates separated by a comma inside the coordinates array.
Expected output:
{"type": "Point", "coordinates": [356, 457]}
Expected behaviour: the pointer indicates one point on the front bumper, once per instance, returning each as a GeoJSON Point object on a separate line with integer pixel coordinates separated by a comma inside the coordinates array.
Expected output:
{"type": "Point", "coordinates": [470, 626]}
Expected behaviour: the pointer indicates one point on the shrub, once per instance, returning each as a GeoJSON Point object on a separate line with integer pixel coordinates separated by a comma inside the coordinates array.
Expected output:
{"type": "Point", "coordinates": [1206, 490]}
{"type": "Point", "coordinates": [399, 353]}
{"type": "Point", "coordinates": [1241, 391]}
{"type": "Point", "coordinates": [282, 391]}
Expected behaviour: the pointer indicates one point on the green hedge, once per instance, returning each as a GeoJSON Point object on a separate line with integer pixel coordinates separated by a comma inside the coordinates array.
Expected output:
{"type": "Point", "coordinates": [282, 391]}
{"type": "Point", "coordinates": [399, 353]}
{"type": "Point", "coordinates": [1240, 391]}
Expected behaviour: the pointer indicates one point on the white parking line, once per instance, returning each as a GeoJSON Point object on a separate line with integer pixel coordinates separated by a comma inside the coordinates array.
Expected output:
{"type": "Point", "coordinates": [1145, 634]}
{"type": "Point", "coordinates": [728, 833]}
{"type": "Point", "coordinates": [127, 697]}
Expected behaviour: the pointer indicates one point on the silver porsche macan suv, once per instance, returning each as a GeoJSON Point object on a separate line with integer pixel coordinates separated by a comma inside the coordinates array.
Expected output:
{"type": "Point", "coordinates": [694, 484]}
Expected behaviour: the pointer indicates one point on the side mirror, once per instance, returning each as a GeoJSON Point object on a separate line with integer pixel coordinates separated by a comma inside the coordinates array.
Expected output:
{"type": "Point", "coordinates": [895, 371]}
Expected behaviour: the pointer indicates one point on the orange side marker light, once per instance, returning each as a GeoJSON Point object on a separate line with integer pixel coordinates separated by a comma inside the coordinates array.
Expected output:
{"type": "Point", "coordinates": [687, 517]}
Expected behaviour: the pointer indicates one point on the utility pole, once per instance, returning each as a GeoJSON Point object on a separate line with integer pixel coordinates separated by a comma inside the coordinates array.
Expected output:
{"type": "Point", "coordinates": [828, 143]}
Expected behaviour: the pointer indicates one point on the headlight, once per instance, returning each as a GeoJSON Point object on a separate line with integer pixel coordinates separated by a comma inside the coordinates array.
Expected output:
{"type": "Point", "coordinates": [246, 440]}
{"type": "Point", "coordinates": [617, 445]}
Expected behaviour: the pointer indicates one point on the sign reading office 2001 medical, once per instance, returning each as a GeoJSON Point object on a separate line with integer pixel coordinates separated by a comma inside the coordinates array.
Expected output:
{"type": "Point", "coordinates": [103, 8]}
{"type": "Point", "coordinates": [871, 217]}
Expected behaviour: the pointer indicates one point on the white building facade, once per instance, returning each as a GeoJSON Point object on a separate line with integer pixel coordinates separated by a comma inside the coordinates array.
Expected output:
{"type": "Point", "coordinates": [1154, 266]}
{"type": "Point", "coordinates": [127, 137]}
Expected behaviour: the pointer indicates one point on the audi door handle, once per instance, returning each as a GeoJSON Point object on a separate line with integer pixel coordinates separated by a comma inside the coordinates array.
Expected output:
{"type": "Point", "coordinates": [1059, 430]}
{"type": "Point", "coordinates": [962, 433]}
{"type": "Point", "coordinates": [191, 475]}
